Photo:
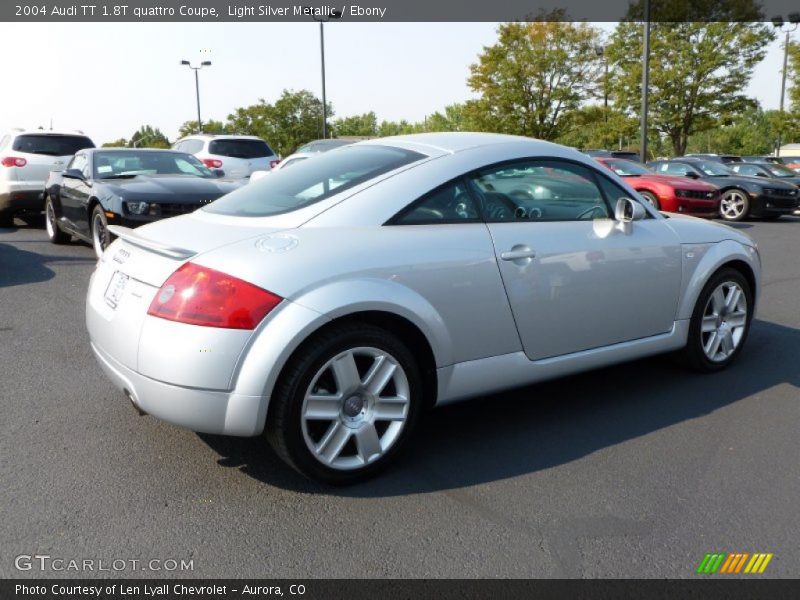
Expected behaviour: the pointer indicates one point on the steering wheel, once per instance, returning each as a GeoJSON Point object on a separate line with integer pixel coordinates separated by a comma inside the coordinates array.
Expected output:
{"type": "Point", "coordinates": [500, 208]}
{"type": "Point", "coordinates": [589, 213]}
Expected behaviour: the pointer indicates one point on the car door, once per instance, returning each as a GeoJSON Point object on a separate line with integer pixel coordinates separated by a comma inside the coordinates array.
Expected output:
{"type": "Point", "coordinates": [74, 192]}
{"type": "Point", "coordinates": [574, 280]}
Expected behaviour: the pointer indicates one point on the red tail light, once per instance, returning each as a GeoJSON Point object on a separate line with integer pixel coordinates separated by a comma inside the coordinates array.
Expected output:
{"type": "Point", "coordinates": [200, 296]}
{"type": "Point", "coordinates": [274, 163]}
{"type": "Point", "coordinates": [212, 163]}
{"type": "Point", "coordinates": [13, 161]}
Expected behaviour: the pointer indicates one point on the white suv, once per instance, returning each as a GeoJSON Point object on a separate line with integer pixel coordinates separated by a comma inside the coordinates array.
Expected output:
{"type": "Point", "coordinates": [26, 159]}
{"type": "Point", "coordinates": [237, 155]}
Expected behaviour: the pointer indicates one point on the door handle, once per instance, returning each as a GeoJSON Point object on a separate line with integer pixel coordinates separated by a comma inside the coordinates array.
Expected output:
{"type": "Point", "coordinates": [518, 253]}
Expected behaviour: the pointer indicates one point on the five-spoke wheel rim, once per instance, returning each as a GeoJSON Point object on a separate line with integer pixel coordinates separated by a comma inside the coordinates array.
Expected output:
{"type": "Point", "coordinates": [724, 321]}
{"type": "Point", "coordinates": [355, 408]}
{"type": "Point", "coordinates": [50, 220]}
{"type": "Point", "coordinates": [732, 205]}
{"type": "Point", "coordinates": [99, 235]}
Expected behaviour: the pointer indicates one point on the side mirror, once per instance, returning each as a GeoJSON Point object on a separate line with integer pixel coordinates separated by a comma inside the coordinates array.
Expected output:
{"type": "Point", "coordinates": [73, 174]}
{"type": "Point", "coordinates": [626, 212]}
{"type": "Point", "coordinates": [691, 175]}
{"type": "Point", "coordinates": [256, 175]}
{"type": "Point", "coordinates": [761, 174]}
{"type": "Point", "coordinates": [218, 173]}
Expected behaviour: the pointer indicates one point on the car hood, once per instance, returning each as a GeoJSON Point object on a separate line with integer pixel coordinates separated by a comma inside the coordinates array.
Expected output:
{"type": "Point", "coordinates": [177, 189]}
{"type": "Point", "coordinates": [692, 230]}
{"type": "Point", "coordinates": [676, 181]}
{"type": "Point", "coordinates": [748, 181]}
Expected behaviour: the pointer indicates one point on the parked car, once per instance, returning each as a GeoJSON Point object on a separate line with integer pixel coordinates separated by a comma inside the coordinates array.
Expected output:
{"type": "Point", "coordinates": [624, 154]}
{"type": "Point", "coordinates": [720, 158]}
{"type": "Point", "coordinates": [126, 187]}
{"type": "Point", "coordinates": [741, 196]}
{"type": "Point", "coordinates": [26, 159]}
{"type": "Point", "coordinates": [237, 155]}
{"type": "Point", "coordinates": [333, 302]}
{"type": "Point", "coordinates": [762, 158]}
{"type": "Point", "coordinates": [303, 153]}
{"type": "Point", "coordinates": [667, 192]}
{"type": "Point", "coordinates": [793, 162]}
{"type": "Point", "coordinates": [767, 170]}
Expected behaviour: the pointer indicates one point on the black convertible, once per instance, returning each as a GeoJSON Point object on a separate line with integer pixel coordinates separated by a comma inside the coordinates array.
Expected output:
{"type": "Point", "coordinates": [128, 187]}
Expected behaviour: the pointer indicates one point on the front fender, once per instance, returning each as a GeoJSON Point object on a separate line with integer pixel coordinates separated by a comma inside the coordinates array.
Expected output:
{"type": "Point", "coordinates": [701, 261]}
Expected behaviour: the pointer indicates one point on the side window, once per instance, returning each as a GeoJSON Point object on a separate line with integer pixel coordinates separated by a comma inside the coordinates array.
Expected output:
{"type": "Point", "coordinates": [79, 163]}
{"type": "Point", "coordinates": [675, 169]}
{"type": "Point", "coordinates": [4, 141]}
{"type": "Point", "coordinates": [178, 145]}
{"type": "Point", "coordinates": [449, 203]}
{"type": "Point", "coordinates": [192, 146]}
{"type": "Point", "coordinates": [540, 190]}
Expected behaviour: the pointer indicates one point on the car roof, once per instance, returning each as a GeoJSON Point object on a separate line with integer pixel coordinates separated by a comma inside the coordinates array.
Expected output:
{"type": "Point", "coordinates": [220, 136]}
{"type": "Point", "coordinates": [17, 132]}
{"type": "Point", "coordinates": [450, 142]}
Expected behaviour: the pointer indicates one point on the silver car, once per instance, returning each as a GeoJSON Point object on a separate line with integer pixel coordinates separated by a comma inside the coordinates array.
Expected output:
{"type": "Point", "coordinates": [330, 304]}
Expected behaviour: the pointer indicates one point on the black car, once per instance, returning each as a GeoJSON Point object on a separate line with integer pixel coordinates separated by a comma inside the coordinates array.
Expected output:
{"type": "Point", "coordinates": [128, 187]}
{"type": "Point", "coordinates": [742, 196]}
{"type": "Point", "coordinates": [768, 170]}
{"type": "Point", "coordinates": [720, 158]}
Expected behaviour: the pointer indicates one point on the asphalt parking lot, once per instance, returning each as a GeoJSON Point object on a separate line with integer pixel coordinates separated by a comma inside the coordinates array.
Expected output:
{"type": "Point", "coordinates": [632, 471]}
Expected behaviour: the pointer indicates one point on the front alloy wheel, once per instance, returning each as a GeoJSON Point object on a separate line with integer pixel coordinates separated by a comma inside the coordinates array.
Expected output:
{"type": "Point", "coordinates": [734, 205]}
{"type": "Point", "coordinates": [345, 403]}
{"type": "Point", "coordinates": [720, 322]}
{"type": "Point", "coordinates": [101, 237]}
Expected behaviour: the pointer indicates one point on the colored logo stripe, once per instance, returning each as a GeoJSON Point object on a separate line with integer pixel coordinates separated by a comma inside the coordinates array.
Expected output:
{"type": "Point", "coordinates": [723, 562]}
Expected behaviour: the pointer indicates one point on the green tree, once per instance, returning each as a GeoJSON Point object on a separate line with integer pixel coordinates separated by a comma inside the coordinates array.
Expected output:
{"type": "Point", "coordinates": [120, 143]}
{"type": "Point", "coordinates": [594, 126]}
{"type": "Point", "coordinates": [213, 127]}
{"type": "Point", "coordinates": [454, 118]}
{"type": "Point", "coordinates": [535, 74]}
{"type": "Point", "coordinates": [148, 137]}
{"type": "Point", "coordinates": [793, 76]}
{"type": "Point", "coordinates": [357, 125]}
{"type": "Point", "coordinates": [698, 73]}
{"type": "Point", "coordinates": [752, 131]}
{"type": "Point", "coordinates": [402, 127]}
{"type": "Point", "coordinates": [294, 119]}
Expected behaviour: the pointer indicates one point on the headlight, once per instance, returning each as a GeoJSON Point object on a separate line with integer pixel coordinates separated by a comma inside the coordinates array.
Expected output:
{"type": "Point", "coordinates": [137, 208]}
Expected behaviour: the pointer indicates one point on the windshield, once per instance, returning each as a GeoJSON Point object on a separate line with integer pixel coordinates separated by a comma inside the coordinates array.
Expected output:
{"type": "Point", "coordinates": [712, 168]}
{"type": "Point", "coordinates": [626, 168]}
{"type": "Point", "coordinates": [312, 180]}
{"type": "Point", "coordinates": [110, 164]}
{"type": "Point", "coordinates": [780, 171]}
{"type": "Point", "coordinates": [322, 145]}
{"type": "Point", "coordinates": [51, 144]}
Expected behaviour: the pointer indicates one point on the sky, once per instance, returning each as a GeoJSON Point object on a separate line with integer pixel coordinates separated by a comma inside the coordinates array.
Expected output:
{"type": "Point", "coordinates": [107, 79]}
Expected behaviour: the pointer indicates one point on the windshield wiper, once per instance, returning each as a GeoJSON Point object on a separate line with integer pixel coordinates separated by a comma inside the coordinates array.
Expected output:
{"type": "Point", "coordinates": [120, 176]}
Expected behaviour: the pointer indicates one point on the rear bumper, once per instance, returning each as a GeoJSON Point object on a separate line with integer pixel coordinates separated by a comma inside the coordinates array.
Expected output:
{"type": "Point", "coordinates": [22, 198]}
{"type": "Point", "coordinates": [207, 411]}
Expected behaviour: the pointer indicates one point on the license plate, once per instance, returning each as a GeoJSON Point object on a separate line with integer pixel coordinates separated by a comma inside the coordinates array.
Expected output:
{"type": "Point", "coordinates": [116, 288]}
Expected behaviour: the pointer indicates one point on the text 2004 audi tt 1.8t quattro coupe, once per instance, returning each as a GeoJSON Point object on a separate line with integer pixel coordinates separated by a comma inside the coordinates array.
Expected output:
{"type": "Point", "coordinates": [331, 303]}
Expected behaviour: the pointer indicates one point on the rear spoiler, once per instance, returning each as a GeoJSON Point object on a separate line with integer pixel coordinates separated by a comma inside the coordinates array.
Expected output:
{"type": "Point", "coordinates": [133, 238]}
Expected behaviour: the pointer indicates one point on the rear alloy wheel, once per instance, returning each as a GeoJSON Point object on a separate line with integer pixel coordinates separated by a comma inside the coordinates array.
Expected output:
{"type": "Point", "coordinates": [734, 205]}
{"type": "Point", "coordinates": [720, 322]}
{"type": "Point", "coordinates": [651, 198]}
{"type": "Point", "coordinates": [101, 237]}
{"type": "Point", "coordinates": [346, 404]}
{"type": "Point", "coordinates": [54, 233]}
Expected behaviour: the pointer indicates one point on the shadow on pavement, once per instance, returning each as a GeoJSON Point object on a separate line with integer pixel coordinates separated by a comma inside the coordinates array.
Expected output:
{"type": "Point", "coordinates": [545, 425]}
{"type": "Point", "coordinates": [20, 267]}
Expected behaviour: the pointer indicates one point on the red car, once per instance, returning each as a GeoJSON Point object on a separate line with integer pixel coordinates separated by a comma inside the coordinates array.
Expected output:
{"type": "Point", "coordinates": [670, 193]}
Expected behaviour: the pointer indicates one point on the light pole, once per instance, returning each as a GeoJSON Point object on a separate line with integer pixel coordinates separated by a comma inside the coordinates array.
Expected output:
{"type": "Point", "coordinates": [778, 22]}
{"type": "Point", "coordinates": [322, 19]}
{"type": "Point", "coordinates": [645, 79]}
{"type": "Point", "coordinates": [205, 63]}
{"type": "Point", "coordinates": [600, 51]}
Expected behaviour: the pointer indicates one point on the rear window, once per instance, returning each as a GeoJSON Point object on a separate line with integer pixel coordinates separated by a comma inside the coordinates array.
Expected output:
{"type": "Point", "coordinates": [240, 148]}
{"type": "Point", "coordinates": [51, 145]}
{"type": "Point", "coordinates": [311, 181]}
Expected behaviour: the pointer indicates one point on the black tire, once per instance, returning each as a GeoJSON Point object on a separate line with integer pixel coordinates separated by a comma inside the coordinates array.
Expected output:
{"type": "Point", "coordinates": [735, 195]}
{"type": "Point", "coordinates": [651, 198]}
{"type": "Point", "coordinates": [101, 237]}
{"type": "Point", "coordinates": [284, 428]}
{"type": "Point", "coordinates": [694, 354]}
{"type": "Point", "coordinates": [6, 220]}
{"type": "Point", "coordinates": [54, 233]}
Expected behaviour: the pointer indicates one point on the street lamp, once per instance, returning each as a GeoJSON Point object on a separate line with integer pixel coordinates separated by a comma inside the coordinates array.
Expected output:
{"type": "Point", "coordinates": [205, 63]}
{"type": "Point", "coordinates": [335, 14]}
{"type": "Point", "coordinates": [778, 23]}
{"type": "Point", "coordinates": [600, 51]}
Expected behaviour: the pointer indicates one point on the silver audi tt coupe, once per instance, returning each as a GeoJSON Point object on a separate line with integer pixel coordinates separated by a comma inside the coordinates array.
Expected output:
{"type": "Point", "coordinates": [330, 304]}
